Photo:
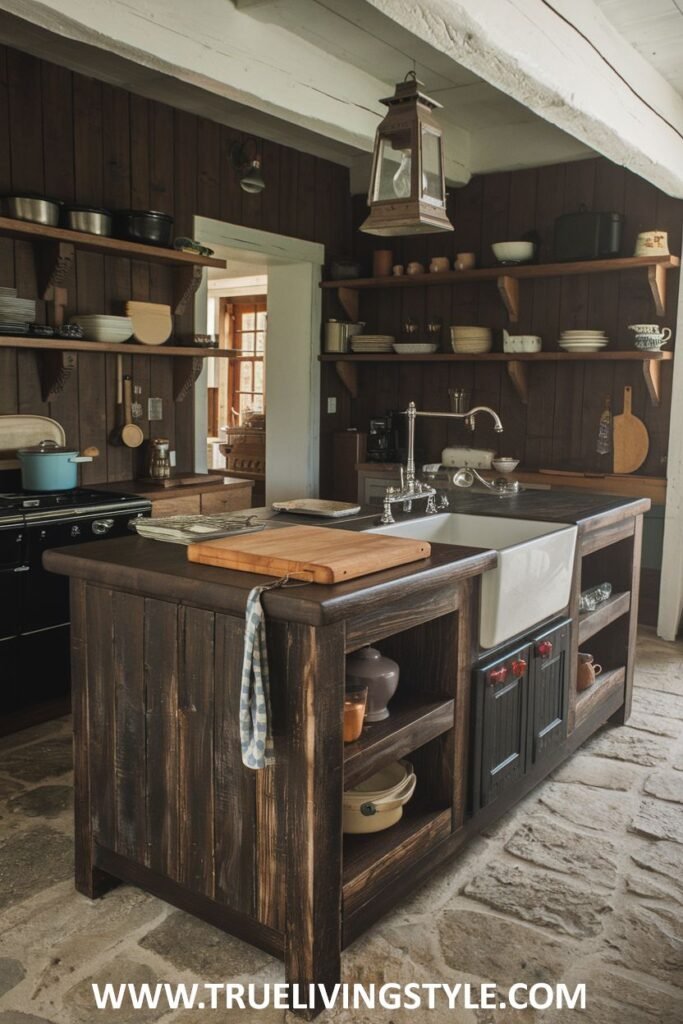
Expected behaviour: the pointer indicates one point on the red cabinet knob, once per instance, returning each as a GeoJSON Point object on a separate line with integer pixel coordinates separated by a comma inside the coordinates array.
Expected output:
{"type": "Point", "coordinates": [544, 649]}
{"type": "Point", "coordinates": [519, 667]}
{"type": "Point", "coordinates": [498, 675]}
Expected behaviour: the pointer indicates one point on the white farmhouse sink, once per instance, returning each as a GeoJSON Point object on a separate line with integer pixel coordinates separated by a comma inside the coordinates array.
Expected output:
{"type": "Point", "coordinates": [532, 579]}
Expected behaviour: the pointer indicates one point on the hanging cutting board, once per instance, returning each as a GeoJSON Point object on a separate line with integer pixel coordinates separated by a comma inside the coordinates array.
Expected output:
{"type": "Point", "coordinates": [631, 441]}
{"type": "Point", "coordinates": [312, 553]}
{"type": "Point", "coordinates": [22, 431]}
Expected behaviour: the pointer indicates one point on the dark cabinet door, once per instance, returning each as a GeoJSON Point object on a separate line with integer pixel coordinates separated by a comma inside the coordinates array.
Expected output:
{"type": "Point", "coordinates": [502, 732]}
{"type": "Point", "coordinates": [549, 691]}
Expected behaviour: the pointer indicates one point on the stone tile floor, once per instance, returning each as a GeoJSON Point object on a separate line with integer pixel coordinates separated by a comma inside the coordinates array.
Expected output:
{"type": "Point", "coordinates": [582, 882]}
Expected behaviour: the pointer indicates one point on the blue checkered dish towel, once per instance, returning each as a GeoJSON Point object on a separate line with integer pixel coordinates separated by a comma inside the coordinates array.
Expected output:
{"type": "Point", "coordinates": [255, 714]}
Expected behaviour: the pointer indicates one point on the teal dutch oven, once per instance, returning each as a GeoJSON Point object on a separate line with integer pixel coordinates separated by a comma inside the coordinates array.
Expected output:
{"type": "Point", "coordinates": [48, 466]}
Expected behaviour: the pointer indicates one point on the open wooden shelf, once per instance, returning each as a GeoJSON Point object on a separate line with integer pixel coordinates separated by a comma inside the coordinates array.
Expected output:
{"type": "Point", "coordinates": [508, 278]}
{"type": "Point", "coordinates": [410, 725]}
{"type": "Point", "coordinates": [370, 860]}
{"type": "Point", "coordinates": [72, 345]}
{"type": "Point", "coordinates": [31, 232]}
{"type": "Point", "coordinates": [605, 684]}
{"type": "Point", "coordinates": [609, 611]}
{"type": "Point", "coordinates": [516, 362]}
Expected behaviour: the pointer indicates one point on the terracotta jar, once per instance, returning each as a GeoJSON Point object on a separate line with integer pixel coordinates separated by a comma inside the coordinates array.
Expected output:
{"type": "Point", "coordinates": [382, 260]}
{"type": "Point", "coordinates": [367, 667]}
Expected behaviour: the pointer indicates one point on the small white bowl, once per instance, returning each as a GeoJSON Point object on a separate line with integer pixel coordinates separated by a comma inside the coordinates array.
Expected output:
{"type": "Point", "coordinates": [504, 464]}
{"type": "Point", "coordinates": [513, 252]}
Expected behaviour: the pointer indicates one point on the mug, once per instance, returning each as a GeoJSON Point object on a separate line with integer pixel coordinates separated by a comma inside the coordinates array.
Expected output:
{"type": "Point", "coordinates": [652, 243]}
{"type": "Point", "coordinates": [439, 264]}
{"type": "Point", "coordinates": [397, 270]}
{"type": "Point", "coordinates": [465, 261]}
{"type": "Point", "coordinates": [652, 342]}
{"type": "Point", "coordinates": [415, 268]}
{"type": "Point", "coordinates": [521, 342]}
{"type": "Point", "coordinates": [644, 328]}
{"type": "Point", "coordinates": [381, 262]}
{"type": "Point", "coordinates": [588, 671]}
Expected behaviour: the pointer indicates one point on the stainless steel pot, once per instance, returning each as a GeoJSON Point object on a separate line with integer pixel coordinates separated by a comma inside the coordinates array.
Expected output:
{"type": "Point", "coordinates": [88, 219]}
{"type": "Point", "coordinates": [338, 333]}
{"type": "Point", "coordinates": [33, 208]}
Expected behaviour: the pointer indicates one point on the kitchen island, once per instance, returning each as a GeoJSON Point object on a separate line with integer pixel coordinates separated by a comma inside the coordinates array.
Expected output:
{"type": "Point", "coordinates": [162, 798]}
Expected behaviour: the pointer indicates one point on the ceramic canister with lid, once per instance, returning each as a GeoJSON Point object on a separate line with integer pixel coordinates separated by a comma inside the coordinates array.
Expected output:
{"type": "Point", "coordinates": [368, 667]}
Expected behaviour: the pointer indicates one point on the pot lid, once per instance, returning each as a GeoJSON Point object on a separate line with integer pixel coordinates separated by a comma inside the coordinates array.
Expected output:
{"type": "Point", "coordinates": [47, 447]}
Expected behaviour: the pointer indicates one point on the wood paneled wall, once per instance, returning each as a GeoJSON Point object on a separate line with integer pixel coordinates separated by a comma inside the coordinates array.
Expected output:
{"type": "Point", "coordinates": [78, 139]}
{"type": "Point", "coordinates": [560, 423]}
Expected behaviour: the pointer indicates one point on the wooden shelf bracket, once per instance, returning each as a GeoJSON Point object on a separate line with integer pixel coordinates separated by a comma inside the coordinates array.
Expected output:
{"type": "Point", "coordinates": [54, 261]}
{"type": "Point", "coordinates": [348, 375]}
{"type": "Point", "coordinates": [517, 373]}
{"type": "Point", "coordinates": [508, 288]}
{"type": "Point", "coordinates": [656, 276]}
{"type": "Point", "coordinates": [186, 370]}
{"type": "Point", "coordinates": [187, 281]}
{"type": "Point", "coordinates": [55, 368]}
{"type": "Point", "coordinates": [348, 297]}
{"type": "Point", "coordinates": [652, 371]}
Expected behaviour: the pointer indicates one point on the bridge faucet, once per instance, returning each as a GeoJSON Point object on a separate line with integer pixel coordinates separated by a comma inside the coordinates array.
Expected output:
{"type": "Point", "coordinates": [410, 487]}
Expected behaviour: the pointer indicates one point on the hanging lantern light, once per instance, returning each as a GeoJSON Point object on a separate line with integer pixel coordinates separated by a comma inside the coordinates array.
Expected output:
{"type": "Point", "coordinates": [407, 187]}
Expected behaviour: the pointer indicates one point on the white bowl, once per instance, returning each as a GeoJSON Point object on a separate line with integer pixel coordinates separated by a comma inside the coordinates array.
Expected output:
{"type": "Point", "coordinates": [504, 464]}
{"type": "Point", "coordinates": [478, 332]}
{"type": "Point", "coordinates": [414, 348]}
{"type": "Point", "coordinates": [513, 252]}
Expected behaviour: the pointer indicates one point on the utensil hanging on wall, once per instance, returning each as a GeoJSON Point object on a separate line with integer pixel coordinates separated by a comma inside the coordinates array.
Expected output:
{"type": "Point", "coordinates": [131, 434]}
{"type": "Point", "coordinates": [631, 441]}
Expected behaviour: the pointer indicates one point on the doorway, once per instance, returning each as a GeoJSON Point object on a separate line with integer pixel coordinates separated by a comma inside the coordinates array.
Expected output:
{"type": "Point", "coordinates": [268, 297]}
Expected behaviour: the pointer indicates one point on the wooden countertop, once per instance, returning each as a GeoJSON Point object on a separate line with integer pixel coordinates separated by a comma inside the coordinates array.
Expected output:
{"type": "Point", "coordinates": [144, 489]}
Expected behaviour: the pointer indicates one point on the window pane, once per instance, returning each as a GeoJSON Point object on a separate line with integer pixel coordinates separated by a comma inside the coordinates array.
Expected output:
{"type": "Point", "coordinates": [392, 179]}
{"type": "Point", "coordinates": [245, 376]}
{"type": "Point", "coordinates": [258, 377]}
{"type": "Point", "coordinates": [261, 321]}
{"type": "Point", "coordinates": [431, 167]}
{"type": "Point", "coordinates": [260, 342]}
{"type": "Point", "coordinates": [257, 403]}
{"type": "Point", "coordinates": [248, 322]}
{"type": "Point", "coordinates": [248, 341]}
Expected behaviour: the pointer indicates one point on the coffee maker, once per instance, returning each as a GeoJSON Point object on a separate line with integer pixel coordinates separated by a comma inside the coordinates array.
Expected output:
{"type": "Point", "coordinates": [387, 438]}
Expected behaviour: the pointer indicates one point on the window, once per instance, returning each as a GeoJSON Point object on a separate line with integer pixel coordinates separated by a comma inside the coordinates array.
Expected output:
{"type": "Point", "coordinates": [246, 381]}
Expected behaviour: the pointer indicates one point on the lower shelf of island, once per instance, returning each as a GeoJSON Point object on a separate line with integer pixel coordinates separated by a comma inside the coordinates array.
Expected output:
{"type": "Point", "coordinates": [607, 683]}
{"type": "Point", "coordinates": [604, 615]}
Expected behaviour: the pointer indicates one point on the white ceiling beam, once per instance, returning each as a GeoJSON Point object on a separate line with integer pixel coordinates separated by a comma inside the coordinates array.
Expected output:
{"type": "Point", "coordinates": [215, 47]}
{"type": "Point", "coordinates": [563, 60]}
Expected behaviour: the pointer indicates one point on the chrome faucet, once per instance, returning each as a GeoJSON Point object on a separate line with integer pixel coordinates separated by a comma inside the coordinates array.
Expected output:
{"type": "Point", "coordinates": [410, 487]}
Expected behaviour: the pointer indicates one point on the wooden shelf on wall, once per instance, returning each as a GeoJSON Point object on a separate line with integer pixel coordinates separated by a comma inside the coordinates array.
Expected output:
{"type": "Point", "coordinates": [517, 363]}
{"type": "Point", "coordinates": [58, 360]}
{"type": "Point", "coordinates": [508, 278]}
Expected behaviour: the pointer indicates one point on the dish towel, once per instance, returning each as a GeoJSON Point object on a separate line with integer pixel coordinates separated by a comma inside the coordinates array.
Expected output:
{"type": "Point", "coordinates": [255, 714]}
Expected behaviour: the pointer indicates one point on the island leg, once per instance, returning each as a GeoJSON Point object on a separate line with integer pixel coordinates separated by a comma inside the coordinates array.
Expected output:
{"type": "Point", "coordinates": [89, 879]}
{"type": "Point", "coordinates": [315, 709]}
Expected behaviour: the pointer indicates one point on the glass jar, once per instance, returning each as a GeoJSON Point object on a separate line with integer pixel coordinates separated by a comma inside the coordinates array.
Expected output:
{"type": "Point", "coordinates": [159, 459]}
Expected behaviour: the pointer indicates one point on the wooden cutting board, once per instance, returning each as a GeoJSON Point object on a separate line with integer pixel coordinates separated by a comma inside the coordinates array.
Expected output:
{"type": "Point", "coordinates": [311, 553]}
{"type": "Point", "coordinates": [631, 442]}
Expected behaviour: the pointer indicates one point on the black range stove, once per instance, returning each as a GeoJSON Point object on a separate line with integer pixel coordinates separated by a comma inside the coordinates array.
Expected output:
{"type": "Point", "coordinates": [34, 604]}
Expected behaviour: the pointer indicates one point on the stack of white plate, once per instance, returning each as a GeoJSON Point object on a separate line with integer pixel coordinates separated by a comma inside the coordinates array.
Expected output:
{"type": "Point", "coordinates": [15, 314]}
{"type": "Point", "coordinates": [471, 340]}
{"type": "Point", "coordinates": [372, 342]}
{"type": "Point", "coordinates": [107, 329]}
{"type": "Point", "coordinates": [583, 341]}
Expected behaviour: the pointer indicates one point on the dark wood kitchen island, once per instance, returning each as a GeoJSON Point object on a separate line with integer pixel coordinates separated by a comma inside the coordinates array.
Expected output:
{"type": "Point", "coordinates": [162, 798]}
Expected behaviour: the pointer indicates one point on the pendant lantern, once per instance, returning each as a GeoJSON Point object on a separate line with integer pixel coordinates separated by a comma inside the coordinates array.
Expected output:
{"type": "Point", "coordinates": [407, 186]}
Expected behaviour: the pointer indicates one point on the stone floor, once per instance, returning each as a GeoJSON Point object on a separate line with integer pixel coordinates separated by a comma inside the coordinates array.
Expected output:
{"type": "Point", "coordinates": [583, 882]}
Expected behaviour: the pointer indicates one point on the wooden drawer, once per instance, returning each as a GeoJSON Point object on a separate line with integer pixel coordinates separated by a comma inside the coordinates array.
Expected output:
{"type": "Point", "coordinates": [226, 499]}
{"type": "Point", "coordinates": [176, 506]}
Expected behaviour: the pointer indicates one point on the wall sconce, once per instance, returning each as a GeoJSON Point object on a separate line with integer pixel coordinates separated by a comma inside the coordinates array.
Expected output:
{"type": "Point", "coordinates": [407, 186]}
{"type": "Point", "coordinates": [247, 166]}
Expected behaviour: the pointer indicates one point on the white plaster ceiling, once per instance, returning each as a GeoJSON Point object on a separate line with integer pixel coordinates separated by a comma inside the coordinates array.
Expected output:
{"type": "Point", "coordinates": [655, 29]}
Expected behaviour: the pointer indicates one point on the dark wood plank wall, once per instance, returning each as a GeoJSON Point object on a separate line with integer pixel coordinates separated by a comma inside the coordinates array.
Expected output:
{"type": "Point", "coordinates": [560, 423]}
{"type": "Point", "coordinates": [78, 139]}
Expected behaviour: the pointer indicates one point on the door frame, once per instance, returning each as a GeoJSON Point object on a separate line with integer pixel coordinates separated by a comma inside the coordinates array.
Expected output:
{"type": "Point", "coordinates": [284, 433]}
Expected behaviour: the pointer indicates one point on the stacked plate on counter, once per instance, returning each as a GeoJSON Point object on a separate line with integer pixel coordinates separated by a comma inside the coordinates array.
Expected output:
{"type": "Point", "coordinates": [15, 314]}
{"type": "Point", "coordinates": [372, 343]}
{"type": "Point", "coordinates": [471, 341]}
{"type": "Point", "coordinates": [583, 341]}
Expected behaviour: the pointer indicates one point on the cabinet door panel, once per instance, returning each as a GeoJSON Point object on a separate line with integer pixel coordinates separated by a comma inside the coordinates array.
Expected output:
{"type": "Point", "coordinates": [503, 701]}
{"type": "Point", "coordinates": [549, 690]}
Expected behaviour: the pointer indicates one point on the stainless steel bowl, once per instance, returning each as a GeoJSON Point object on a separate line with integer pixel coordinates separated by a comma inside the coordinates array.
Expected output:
{"type": "Point", "coordinates": [40, 211]}
{"type": "Point", "coordinates": [88, 219]}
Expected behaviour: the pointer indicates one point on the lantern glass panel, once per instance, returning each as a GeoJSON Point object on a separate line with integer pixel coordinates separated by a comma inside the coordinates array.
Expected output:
{"type": "Point", "coordinates": [432, 181]}
{"type": "Point", "coordinates": [393, 176]}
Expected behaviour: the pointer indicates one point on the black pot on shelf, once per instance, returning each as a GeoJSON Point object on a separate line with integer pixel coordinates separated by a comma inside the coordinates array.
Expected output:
{"type": "Point", "coordinates": [147, 226]}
